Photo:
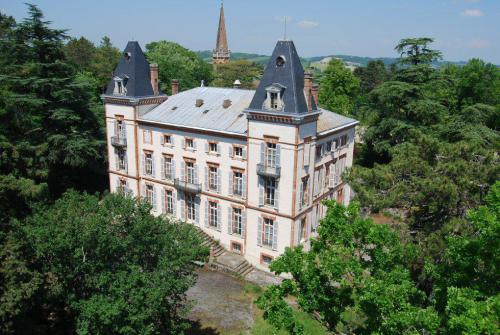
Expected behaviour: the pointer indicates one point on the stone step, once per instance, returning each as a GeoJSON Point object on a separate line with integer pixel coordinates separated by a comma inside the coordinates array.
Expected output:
{"type": "Point", "coordinates": [247, 270]}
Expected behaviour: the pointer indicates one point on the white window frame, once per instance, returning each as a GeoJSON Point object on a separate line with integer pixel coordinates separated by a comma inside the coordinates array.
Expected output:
{"type": "Point", "coordinates": [213, 214]}
{"type": "Point", "coordinates": [268, 232]}
{"type": "Point", "coordinates": [190, 200]}
{"type": "Point", "coordinates": [270, 191]}
{"type": "Point", "coordinates": [148, 164]}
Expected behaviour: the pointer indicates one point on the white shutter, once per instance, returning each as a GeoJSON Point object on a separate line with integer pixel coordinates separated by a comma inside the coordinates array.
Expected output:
{"type": "Point", "coordinates": [196, 173]}
{"type": "Point", "coordinates": [153, 166]}
{"type": "Point", "coordinates": [197, 210]}
{"type": "Point", "coordinates": [115, 127]}
{"type": "Point", "coordinates": [244, 153]}
{"type": "Point", "coordinates": [206, 147]}
{"type": "Point", "coordinates": [218, 148]}
{"type": "Point", "coordinates": [183, 171]}
{"type": "Point", "coordinates": [230, 190]}
{"type": "Point", "coordinates": [162, 167]}
{"type": "Point", "coordinates": [163, 198]}
{"type": "Point", "coordinates": [154, 199]}
{"type": "Point", "coordinates": [229, 220]}
{"type": "Point", "coordinates": [301, 193]}
{"type": "Point", "coordinates": [278, 155]}
{"type": "Point", "coordinates": [143, 164]}
{"type": "Point", "coordinates": [206, 214]}
{"type": "Point", "coordinates": [263, 153]}
{"type": "Point", "coordinates": [243, 222]}
{"type": "Point", "coordinates": [162, 139]}
{"type": "Point", "coordinates": [331, 181]}
{"type": "Point", "coordinates": [172, 141]}
{"type": "Point", "coordinates": [261, 191]}
{"type": "Point", "coordinates": [183, 143]}
{"type": "Point", "coordinates": [219, 184]}
{"type": "Point", "coordinates": [230, 151]}
{"type": "Point", "coordinates": [194, 144]}
{"type": "Point", "coordinates": [259, 231]}
{"type": "Point", "coordinates": [206, 178]}
{"type": "Point", "coordinates": [174, 204]}
{"type": "Point", "coordinates": [173, 168]}
{"type": "Point", "coordinates": [180, 197]}
{"type": "Point", "coordinates": [244, 183]}
{"type": "Point", "coordinates": [219, 217]}
{"type": "Point", "coordinates": [275, 235]}
{"type": "Point", "coordinates": [277, 195]}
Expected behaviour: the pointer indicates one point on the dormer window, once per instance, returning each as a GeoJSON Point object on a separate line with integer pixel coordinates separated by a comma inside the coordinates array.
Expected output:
{"type": "Point", "coordinates": [127, 56]}
{"type": "Point", "coordinates": [120, 88]}
{"type": "Point", "coordinates": [274, 100]}
{"type": "Point", "coordinates": [280, 61]}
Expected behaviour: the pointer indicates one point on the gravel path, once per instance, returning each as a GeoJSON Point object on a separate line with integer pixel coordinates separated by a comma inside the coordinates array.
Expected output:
{"type": "Point", "coordinates": [221, 306]}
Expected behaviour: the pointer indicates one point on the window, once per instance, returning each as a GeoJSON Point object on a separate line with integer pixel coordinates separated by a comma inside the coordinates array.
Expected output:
{"type": "Point", "coordinates": [150, 197]}
{"type": "Point", "coordinates": [169, 201]}
{"type": "Point", "coordinates": [148, 164]}
{"type": "Point", "coordinates": [266, 259]}
{"type": "Point", "coordinates": [190, 206]}
{"type": "Point", "coordinates": [303, 229]}
{"type": "Point", "coordinates": [167, 139]}
{"type": "Point", "coordinates": [189, 143]}
{"type": "Point", "coordinates": [335, 143]}
{"type": "Point", "coordinates": [328, 172]}
{"type": "Point", "coordinates": [120, 129]}
{"type": "Point", "coordinates": [328, 146]}
{"type": "Point", "coordinates": [238, 183]}
{"type": "Point", "coordinates": [269, 191]}
{"type": "Point", "coordinates": [213, 147]}
{"type": "Point", "coordinates": [213, 180]}
{"type": "Point", "coordinates": [190, 172]}
{"type": "Point", "coordinates": [271, 154]}
{"type": "Point", "coordinates": [238, 152]}
{"type": "Point", "coordinates": [268, 232]}
{"type": "Point", "coordinates": [147, 136]}
{"type": "Point", "coordinates": [343, 140]}
{"type": "Point", "coordinates": [213, 213]}
{"type": "Point", "coordinates": [122, 160]}
{"type": "Point", "coordinates": [274, 100]}
{"type": "Point", "coordinates": [318, 151]}
{"type": "Point", "coordinates": [280, 61]}
{"type": "Point", "coordinates": [304, 192]}
{"type": "Point", "coordinates": [168, 167]}
{"type": "Point", "coordinates": [236, 247]}
{"type": "Point", "coordinates": [237, 221]}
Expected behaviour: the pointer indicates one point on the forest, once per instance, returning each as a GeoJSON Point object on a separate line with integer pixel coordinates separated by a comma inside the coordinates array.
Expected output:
{"type": "Point", "coordinates": [76, 259]}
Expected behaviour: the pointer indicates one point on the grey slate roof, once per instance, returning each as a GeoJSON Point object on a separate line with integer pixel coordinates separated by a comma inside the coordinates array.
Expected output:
{"type": "Point", "coordinates": [135, 71]}
{"type": "Point", "coordinates": [180, 109]}
{"type": "Point", "coordinates": [329, 120]}
{"type": "Point", "coordinates": [291, 75]}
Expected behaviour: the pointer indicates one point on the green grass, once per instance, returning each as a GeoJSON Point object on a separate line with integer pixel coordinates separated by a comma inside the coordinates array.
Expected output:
{"type": "Point", "coordinates": [311, 326]}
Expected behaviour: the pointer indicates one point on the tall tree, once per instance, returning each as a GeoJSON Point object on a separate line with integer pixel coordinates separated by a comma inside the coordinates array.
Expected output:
{"type": "Point", "coordinates": [105, 61]}
{"type": "Point", "coordinates": [338, 88]}
{"type": "Point", "coordinates": [177, 62]}
{"type": "Point", "coordinates": [416, 51]}
{"type": "Point", "coordinates": [80, 52]}
{"type": "Point", "coordinates": [107, 266]}
{"type": "Point", "coordinates": [244, 71]}
{"type": "Point", "coordinates": [371, 76]}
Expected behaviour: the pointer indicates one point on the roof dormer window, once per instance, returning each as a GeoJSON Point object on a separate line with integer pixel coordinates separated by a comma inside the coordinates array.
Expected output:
{"type": "Point", "coordinates": [120, 88]}
{"type": "Point", "coordinates": [274, 99]}
{"type": "Point", "coordinates": [280, 61]}
{"type": "Point", "coordinates": [127, 56]}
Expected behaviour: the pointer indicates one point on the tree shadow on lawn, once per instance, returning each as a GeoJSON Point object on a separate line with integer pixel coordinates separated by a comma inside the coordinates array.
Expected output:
{"type": "Point", "coordinates": [196, 328]}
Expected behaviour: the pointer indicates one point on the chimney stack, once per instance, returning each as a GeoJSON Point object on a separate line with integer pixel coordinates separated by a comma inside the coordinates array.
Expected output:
{"type": "Point", "coordinates": [314, 92]}
{"type": "Point", "coordinates": [308, 78]}
{"type": "Point", "coordinates": [175, 86]}
{"type": "Point", "coordinates": [153, 70]}
{"type": "Point", "coordinates": [226, 103]}
{"type": "Point", "coordinates": [237, 84]}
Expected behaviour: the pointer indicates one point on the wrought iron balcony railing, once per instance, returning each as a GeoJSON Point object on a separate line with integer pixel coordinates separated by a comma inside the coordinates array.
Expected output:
{"type": "Point", "coordinates": [187, 186]}
{"type": "Point", "coordinates": [268, 171]}
{"type": "Point", "coordinates": [118, 141]}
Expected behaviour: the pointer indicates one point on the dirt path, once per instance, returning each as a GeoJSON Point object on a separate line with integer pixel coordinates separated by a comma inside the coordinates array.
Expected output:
{"type": "Point", "coordinates": [221, 306]}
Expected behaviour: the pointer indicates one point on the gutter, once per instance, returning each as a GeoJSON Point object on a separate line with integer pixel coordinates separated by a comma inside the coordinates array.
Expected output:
{"type": "Point", "coordinates": [329, 131]}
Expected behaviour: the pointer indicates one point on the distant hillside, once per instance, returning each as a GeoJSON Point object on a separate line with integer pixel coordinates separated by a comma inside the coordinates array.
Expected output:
{"type": "Point", "coordinates": [356, 60]}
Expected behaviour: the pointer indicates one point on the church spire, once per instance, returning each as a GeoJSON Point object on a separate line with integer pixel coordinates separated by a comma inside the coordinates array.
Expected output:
{"type": "Point", "coordinates": [221, 52]}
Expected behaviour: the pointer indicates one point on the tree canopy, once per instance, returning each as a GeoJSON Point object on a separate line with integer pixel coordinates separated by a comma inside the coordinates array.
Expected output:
{"type": "Point", "coordinates": [244, 71]}
{"type": "Point", "coordinates": [177, 62]}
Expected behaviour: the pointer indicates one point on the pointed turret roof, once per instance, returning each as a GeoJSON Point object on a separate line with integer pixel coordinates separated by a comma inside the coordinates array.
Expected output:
{"type": "Point", "coordinates": [284, 69]}
{"type": "Point", "coordinates": [221, 33]}
{"type": "Point", "coordinates": [134, 70]}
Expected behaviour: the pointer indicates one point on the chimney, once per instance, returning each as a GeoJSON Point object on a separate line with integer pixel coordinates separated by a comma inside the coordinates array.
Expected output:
{"type": "Point", "coordinates": [226, 103]}
{"type": "Point", "coordinates": [153, 70]}
{"type": "Point", "coordinates": [307, 88]}
{"type": "Point", "coordinates": [237, 84]}
{"type": "Point", "coordinates": [175, 86]}
{"type": "Point", "coordinates": [314, 92]}
{"type": "Point", "coordinates": [199, 102]}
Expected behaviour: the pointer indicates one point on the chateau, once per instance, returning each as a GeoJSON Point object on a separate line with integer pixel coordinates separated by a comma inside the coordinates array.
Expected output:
{"type": "Point", "coordinates": [248, 167]}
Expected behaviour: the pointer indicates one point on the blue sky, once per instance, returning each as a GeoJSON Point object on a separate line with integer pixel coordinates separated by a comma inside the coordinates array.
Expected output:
{"type": "Point", "coordinates": [463, 29]}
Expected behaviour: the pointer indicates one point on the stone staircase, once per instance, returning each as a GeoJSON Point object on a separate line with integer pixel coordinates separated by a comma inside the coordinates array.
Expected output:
{"type": "Point", "coordinates": [223, 260]}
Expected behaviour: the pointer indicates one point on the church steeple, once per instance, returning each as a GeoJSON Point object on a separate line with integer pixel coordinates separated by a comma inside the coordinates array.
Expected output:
{"type": "Point", "coordinates": [221, 52]}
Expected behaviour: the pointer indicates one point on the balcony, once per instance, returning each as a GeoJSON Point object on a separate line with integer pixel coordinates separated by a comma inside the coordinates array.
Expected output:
{"type": "Point", "coordinates": [187, 186]}
{"type": "Point", "coordinates": [268, 171]}
{"type": "Point", "coordinates": [119, 141]}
